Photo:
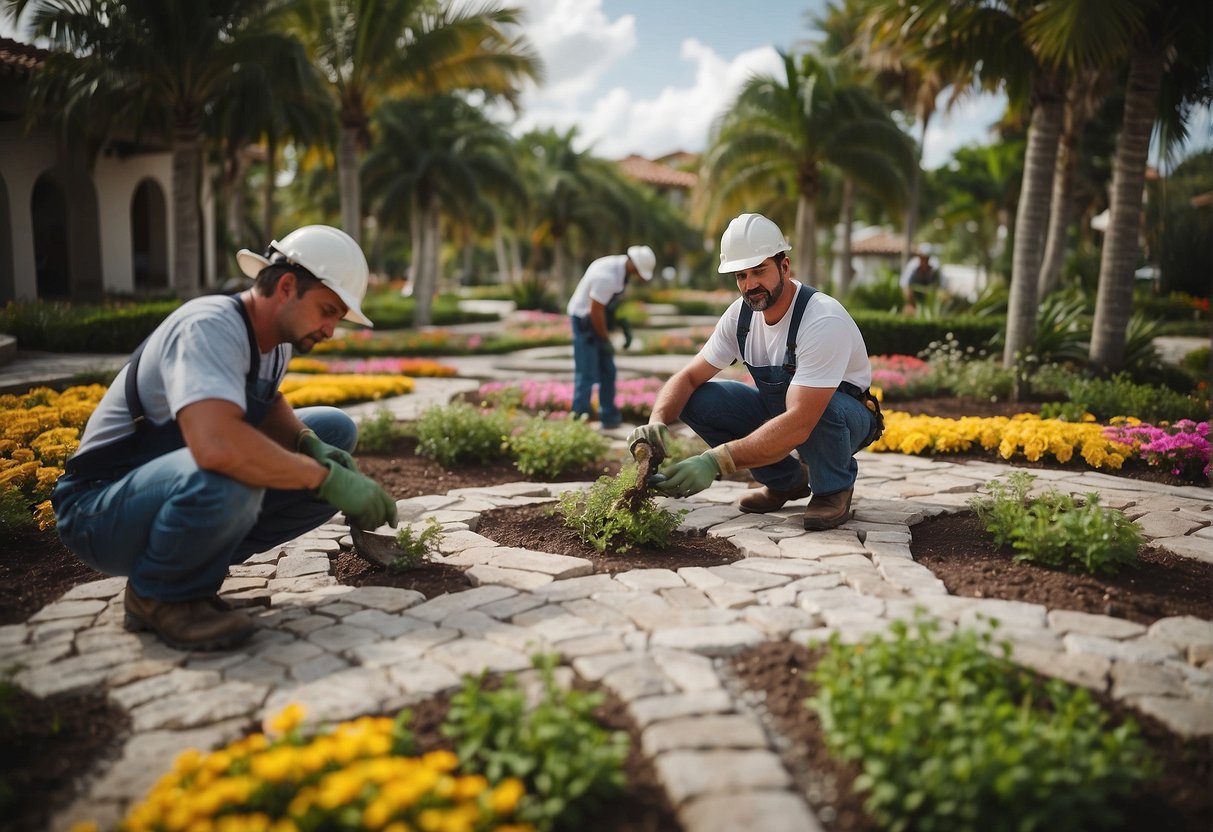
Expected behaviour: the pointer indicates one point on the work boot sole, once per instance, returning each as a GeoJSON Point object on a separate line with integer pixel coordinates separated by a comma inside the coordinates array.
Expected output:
{"type": "Point", "coordinates": [814, 524]}
{"type": "Point", "coordinates": [134, 624]}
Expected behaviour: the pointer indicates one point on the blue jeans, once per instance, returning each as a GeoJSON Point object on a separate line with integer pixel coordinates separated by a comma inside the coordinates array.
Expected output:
{"type": "Point", "coordinates": [593, 363]}
{"type": "Point", "coordinates": [721, 411]}
{"type": "Point", "coordinates": [174, 529]}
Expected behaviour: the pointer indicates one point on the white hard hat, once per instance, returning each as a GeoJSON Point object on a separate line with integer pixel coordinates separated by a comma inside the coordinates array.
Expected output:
{"type": "Point", "coordinates": [926, 250]}
{"type": "Point", "coordinates": [750, 239]}
{"type": "Point", "coordinates": [328, 253]}
{"type": "Point", "coordinates": [643, 259]}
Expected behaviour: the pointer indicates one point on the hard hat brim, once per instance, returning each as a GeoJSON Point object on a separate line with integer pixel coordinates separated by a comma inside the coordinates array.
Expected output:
{"type": "Point", "coordinates": [252, 263]}
{"type": "Point", "coordinates": [730, 266]}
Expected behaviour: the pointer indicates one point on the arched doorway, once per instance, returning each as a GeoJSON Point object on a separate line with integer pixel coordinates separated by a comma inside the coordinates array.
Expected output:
{"type": "Point", "coordinates": [149, 237]}
{"type": "Point", "coordinates": [48, 207]}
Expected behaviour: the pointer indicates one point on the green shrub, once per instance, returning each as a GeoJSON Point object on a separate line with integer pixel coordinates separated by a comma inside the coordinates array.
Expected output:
{"type": "Point", "coordinates": [550, 447]}
{"type": "Point", "coordinates": [91, 328]}
{"type": "Point", "coordinates": [966, 371]}
{"type": "Point", "coordinates": [598, 517]}
{"type": "Point", "coordinates": [16, 514]}
{"type": "Point", "coordinates": [951, 736]}
{"type": "Point", "coordinates": [531, 293]}
{"type": "Point", "coordinates": [571, 766]}
{"type": "Point", "coordinates": [415, 547]}
{"type": "Point", "coordinates": [459, 432]}
{"type": "Point", "coordinates": [1052, 529]}
{"type": "Point", "coordinates": [1063, 411]}
{"type": "Point", "coordinates": [1120, 396]}
{"type": "Point", "coordinates": [377, 434]}
{"type": "Point", "coordinates": [391, 311]}
{"type": "Point", "coordinates": [1196, 361]}
{"type": "Point", "coordinates": [891, 333]}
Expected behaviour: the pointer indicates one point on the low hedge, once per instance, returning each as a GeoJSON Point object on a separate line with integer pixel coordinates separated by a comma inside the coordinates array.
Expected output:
{"type": "Point", "coordinates": [888, 333]}
{"type": "Point", "coordinates": [89, 328]}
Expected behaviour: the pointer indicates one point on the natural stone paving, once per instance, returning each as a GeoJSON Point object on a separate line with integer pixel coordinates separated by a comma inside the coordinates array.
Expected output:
{"type": "Point", "coordinates": [656, 637]}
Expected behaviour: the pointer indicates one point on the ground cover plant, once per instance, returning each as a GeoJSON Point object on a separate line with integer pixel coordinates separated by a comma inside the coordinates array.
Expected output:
{"type": "Point", "coordinates": [605, 517]}
{"type": "Point", "coordinates": [1054, 529]}
{"type": "Point", "coordinates": [967, 739]}
{"type": "Point", "coordinates": [415, 544]}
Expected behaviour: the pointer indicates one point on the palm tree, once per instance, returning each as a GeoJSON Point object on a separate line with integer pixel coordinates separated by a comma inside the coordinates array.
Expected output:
{"type": "Point", "coordinates": [158, 67]}
{"type": "Point", "coordinates": [1166, 45]}
{"type": "Point", "coordinates": [572, 194]}
{"type": "Point", "coordinates": [374, 50]}
{"type": "Point", "coordinates": [436, 154]}
{"type": "Point", "coordinates": [786, 129]}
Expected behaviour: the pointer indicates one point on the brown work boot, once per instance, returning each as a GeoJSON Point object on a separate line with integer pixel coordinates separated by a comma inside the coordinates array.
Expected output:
{"type": "Point", "coordinates": [762, 500]}
{"type": "Point", "coordinates": [187, 625]}
{"type": "Point", "coordinates": [828, 511]}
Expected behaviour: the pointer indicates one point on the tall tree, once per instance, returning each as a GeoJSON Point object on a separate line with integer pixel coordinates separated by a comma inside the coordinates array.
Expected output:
{"type": "Point", "coordinates": [436, 154]}
{"type": "Point", "coordinates": [157, 67]}
{"type": "Point", "coordinates": [785, 129]}
{"type": "Point", "coordinates": [374, 50]}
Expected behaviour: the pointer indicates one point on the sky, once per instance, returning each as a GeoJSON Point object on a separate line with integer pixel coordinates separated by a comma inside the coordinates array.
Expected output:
{"type": "Point", "coordinates": [650, 76]}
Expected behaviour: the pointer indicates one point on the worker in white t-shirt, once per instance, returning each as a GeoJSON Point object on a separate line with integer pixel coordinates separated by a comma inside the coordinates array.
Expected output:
{"type": "Point", "coordinates": [920, 274]}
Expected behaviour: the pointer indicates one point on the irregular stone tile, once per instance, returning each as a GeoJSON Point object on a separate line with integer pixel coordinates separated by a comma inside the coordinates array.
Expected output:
{"type": "Point", "coordinates": [637, 680]}
{"type": "Point", "coordinates": [470, 655]}
{"type": "Point", "coordinates": [339, 696]}
{"type": "Point", "coordinates": [321, 667]}
{"type": "Point", "coordinates": [478, 625]}
{"type": "Point", "coordinates": [687, 774]}
{"type": "Point", "coordinates": [1009, 613]}
{"type": "Point", "coordinates": [597, 614]}
{"type": "Point", "coordinates": [765, 810]}
{"type": "Point", "coordinates": [507, 608]}
{"type": "Point", "coordinates": [730, 597]}
{"type": "Point", "coordinates": [585, 587]}
{"type": "Point", "coordinates": [718, 640]}
{"type": "Point", "coordinates": [553, 623]}
{"type": "Point", "coordinates": [658, 708]}
{"type": "Point", "coordinates": [198, 708]}
{"type": "Point", "coordinates": [1166, 524]}
{"type": "Point", "coordinates": [777, 622]}
{"type": "Point", "coordinates": [821, 544]}
{"type": "Point", "coordinates": [740, 577]}
{"type": "Point", "coordinates": [485, 575]}
{"type": "Point", "coordinates": [573, 648]}
{"type": "Point", "coordinates": [258, 671]}
{"type": "Point", "coordinates": [296, 566]}
{"type": "Point", "coordinates": [167, 684]}
{"type": "Point", "coordinates": [1183, 632]}
{"type": "Point", "coordinates": [420, 676]}
{"type": "Point", "coordinates": [1105, 626]}
{"type": "Point", "coordinates": [60, 609]}
{"type": "Point", "coordinates": [384, 624]}
{"type": "Point", "coordinates": [650, 580]}
{"type": "Point", "coordinates": [75, 674]}
{"type": "Point", "coordinates": [291, 654]}
{"type": "Point", "coordinates": [703, 732]}
{"type": "Point", "coordinates": [1197, 548]}
{"type": "Point", "coordinates": [456, 542]}
{"type": "Point", "coordinates": [403, 647]}
{"type": "Point", "coordinates": [1089, 671]}
{"type": "Point", "coordinates": [1187, 717]}
{"type": "Point", "coordinates": [1141, 649]}
{"type": "Point", "coordinates": [342, 637]}
{"type": "Point", "coordinates": [385, 598]}
{"type": "Point", "coordinates": [688, 671]}
{"type": "Point", "coordinates": [438, 608]}
{"type": "Point", "coordinates": [103, 590]}
{"type": "Point", "coordinates": [686, 598]}
{"type": "Point", "coordinates": [1131, 679]}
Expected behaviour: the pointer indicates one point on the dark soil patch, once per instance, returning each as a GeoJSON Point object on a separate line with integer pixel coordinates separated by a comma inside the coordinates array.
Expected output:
{"type": "Point", "coordinates": [1179, 800]}
{"type": "Point", "coordinates": [48, 745]}
{"type": "Point", "coordinates": [35, 569]}
{"type": "Point", "coordinates": [963, 555]}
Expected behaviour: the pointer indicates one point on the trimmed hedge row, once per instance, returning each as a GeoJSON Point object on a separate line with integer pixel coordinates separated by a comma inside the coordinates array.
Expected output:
{"type": "Point", "coordinates": [886, 333]}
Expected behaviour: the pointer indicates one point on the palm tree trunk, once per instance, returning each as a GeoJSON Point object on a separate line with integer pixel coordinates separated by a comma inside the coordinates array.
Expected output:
{"type": "Point", "coordinates": [267, 196]}
{"type": "Point", "coordinates": [1061, 205]}
{"type": "Point", "coordinates": [907, 247]}
{"type": "Point", "coordinates": [187, 214]}
{"type": "Point", "coordinates": [425, 262]}
{"type": "Point", "coordinates": [848, 219]}
{"type": "Point", "coordinates": [1031, 223]}
{"type": "Point", "coordinates": [560, 267]}
{"type": "Point", "coordinates": [1114, 301]}
{"type": "Point", "coordinates": [804, 265]}
{"type": "Point", "coordinates": [503, 264]}
{"type": "Point", "coordinates": [347, 179]}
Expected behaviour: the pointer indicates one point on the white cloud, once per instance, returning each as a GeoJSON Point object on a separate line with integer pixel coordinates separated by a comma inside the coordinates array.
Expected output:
{"type": "Point", "coordinates": [577, 44]}
{"type": "Point", "coordinates": [969, 122]}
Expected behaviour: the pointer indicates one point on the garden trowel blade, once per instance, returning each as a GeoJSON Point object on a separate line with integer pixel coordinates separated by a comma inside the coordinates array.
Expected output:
{"type": "Point", "coordinates": [377, 547]}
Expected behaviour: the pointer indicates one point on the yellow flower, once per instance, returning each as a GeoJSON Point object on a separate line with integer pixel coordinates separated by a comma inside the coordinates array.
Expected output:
{"type": "Point", "coordinates": [287, 720]}
{"type": "Point", "coordinates": [505, 796]}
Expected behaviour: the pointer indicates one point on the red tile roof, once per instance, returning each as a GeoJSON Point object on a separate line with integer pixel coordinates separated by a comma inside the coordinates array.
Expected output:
{"type": "Point", "coordinates": [655, 173]}
{"type": "Point", "coordinates": [18, 60]}
{"type": "Point", "coordinates": [882, 242]}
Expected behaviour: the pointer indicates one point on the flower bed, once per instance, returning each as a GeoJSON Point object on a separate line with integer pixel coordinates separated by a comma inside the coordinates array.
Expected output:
{"type": "Point", "coordinates": [415, 367]}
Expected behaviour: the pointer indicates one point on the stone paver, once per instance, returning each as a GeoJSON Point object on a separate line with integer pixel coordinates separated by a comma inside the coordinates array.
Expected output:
{"type": "Point", "coordinates": [654, 637]}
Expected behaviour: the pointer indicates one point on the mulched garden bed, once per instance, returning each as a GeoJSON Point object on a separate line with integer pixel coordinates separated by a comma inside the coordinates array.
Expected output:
{"type": "Point", "coordinates": [1179, 801]}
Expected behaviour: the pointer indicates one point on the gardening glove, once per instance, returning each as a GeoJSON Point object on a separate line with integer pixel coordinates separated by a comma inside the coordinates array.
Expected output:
{"type": "Point", "coordinates": [360, 497]}
{"type": "Point", "coordinates": [688, 477]}
{"type": "Point", "coordinates": [626, 326]}
{"type": "Point", "coordinates": [656, 434]}
{"type": "Point", "coordinates": [310, 444]}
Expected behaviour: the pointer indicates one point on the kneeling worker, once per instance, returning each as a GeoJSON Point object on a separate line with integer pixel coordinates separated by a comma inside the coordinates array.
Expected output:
{"type": "Point", "coordinates": [811, 372]}
{"type": "Point", "coordinates": [193, 461]}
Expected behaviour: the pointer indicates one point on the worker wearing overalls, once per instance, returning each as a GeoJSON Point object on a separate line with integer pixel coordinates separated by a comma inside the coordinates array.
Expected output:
{"type": "Point", "coordinates": [811, 375]}
{"type": "Point", "coordinates": [193, 461]}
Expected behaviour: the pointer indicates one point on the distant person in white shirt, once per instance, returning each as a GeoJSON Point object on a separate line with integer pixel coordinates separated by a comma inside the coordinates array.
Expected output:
{"type": "Point", "coordinates": [920, 274]}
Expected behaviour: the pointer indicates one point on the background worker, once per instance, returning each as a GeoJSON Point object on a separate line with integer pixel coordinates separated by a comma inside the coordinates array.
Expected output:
{"type": "Point", "coordinates": [920, 274]}
{"type": "Point", "coordinates": [193, 460]}
{"type": "Point", "coordinates": [601, 287]}
{"type": "Point", "coordinates": [811, 372]}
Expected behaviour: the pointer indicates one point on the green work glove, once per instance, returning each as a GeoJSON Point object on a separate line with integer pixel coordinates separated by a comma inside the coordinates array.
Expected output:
{"type": "Point", "coordinates": [312, 445]}
{"type": "Point", "coordinates": [626, 326]}
{"type": "Point", "coordinates": [690, 476]}
{"type": "Point", "coordinates": [656, 434]}
{"type": "Point", "coordinates": [359, 496]}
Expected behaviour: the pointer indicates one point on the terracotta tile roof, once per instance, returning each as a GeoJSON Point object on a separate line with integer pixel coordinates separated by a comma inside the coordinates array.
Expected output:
{"type": "Point", "coordinates": [18, 60]}
{"type": "Point", "coordinates": [881, 242]}
{"type": "Point", "coordinates": [655, 173]}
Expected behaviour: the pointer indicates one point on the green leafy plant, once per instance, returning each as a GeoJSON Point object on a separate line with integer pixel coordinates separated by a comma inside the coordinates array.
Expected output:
{"type": "Point", "coordinates": [377, 434]}
{"type": "Point", "coordinates": [1054, 530]}
{"type": "Point", "coordinates": [966, 371]}
{"type": "Point", "coordinates": [1065, 411]}
{"type": "Point", "coordinates": [951, 735]}
{"type": "Point", "coordinates": [16, 518]}
{"type": "Point", "coordinates": [459, 432]}
{"type": "Point", "coordinates": [1120, 396]}
{"type": "Point", "coordinates": [415, 546]}
{"type": "Point", "coordinates": [569, 763]}
{"type": "Point", "coordinates": [601, 519]}
{"type": "Point", "coordinates": [549, 447]}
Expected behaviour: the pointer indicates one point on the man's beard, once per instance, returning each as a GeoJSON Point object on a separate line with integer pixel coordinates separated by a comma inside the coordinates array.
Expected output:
{"type": "Point", "coordinates": [305, 344]}
{"type": "Point", "coordinates": [762, 299]}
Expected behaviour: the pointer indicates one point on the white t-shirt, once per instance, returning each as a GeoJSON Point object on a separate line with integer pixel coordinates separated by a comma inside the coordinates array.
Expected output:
{"type": "Point", "coordinates": [201, 351]}
{"type": "Point", "coordinates": [829, 346]}
{"type": "Point", "coordinates": [907, 272]}
{"type": "Point", "coordinates": [602, 281]}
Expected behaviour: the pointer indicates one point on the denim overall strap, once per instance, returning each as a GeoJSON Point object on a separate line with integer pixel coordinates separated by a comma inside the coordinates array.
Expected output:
{"type": "Point", "coordinates": [150, 441]}
{"type": "Point", "coordinates": [746, 313]}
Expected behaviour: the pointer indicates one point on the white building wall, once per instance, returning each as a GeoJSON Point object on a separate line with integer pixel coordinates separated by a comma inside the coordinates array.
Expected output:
{"type": "Point", "coordinates": [23, 158]}
{"type": "Point", "coordinates": [116, 181]}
